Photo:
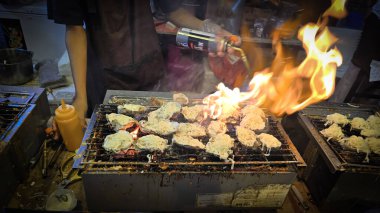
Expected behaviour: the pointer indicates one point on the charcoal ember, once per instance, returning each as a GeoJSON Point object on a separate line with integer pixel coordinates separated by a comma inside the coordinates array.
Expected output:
{"type": "Point", "coordinates": [167, 137]}
{"type": "Point", "coordinates": [231, 134]}
{"type": "Point", "coordinates": [129, 154]}
{"type": "Point", "coordinates": [238, 147]}
{"type": "Point", "coordinates": [178, 117]}
{"type": "Point", "coordinates": [131, 127]}
{"type": "Point", "coordinates": [231, 128]}
{"type": "Point", "coordinates": [204, 139]}
{"type": "Point", "coordinates": [140, 116]}
{"type": "Point", "coordinates": [103, 156]}
{"type": "Point", "coordinates": [348, 132]}
{"type": "Point", "coordinates": [141, 134]}
{"type": "Point", "coordinates": [346, 128]}
{"type": "Point", "coordinates": [206, 122]}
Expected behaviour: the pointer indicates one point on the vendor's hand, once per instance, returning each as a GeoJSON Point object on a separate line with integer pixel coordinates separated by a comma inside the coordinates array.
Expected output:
{"type": "Point", "coordinates": [211, 27]}
{"type": "Point", "coordinates": [52, 130]}
{"type": "Point", "coordinates": [80, 105]}
{"type": "Point", "coordinates": [234, 39]}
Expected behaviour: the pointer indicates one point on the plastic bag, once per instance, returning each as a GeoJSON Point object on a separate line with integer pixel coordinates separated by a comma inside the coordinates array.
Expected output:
{"type": "Point", "coordinates": [184, 71]}
{"type": "Point", "coordinates": [229, 69]}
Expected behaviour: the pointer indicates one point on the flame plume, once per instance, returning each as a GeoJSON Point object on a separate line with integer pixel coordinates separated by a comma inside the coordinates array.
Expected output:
{"type": "Point", "coordinates": [283, 88]}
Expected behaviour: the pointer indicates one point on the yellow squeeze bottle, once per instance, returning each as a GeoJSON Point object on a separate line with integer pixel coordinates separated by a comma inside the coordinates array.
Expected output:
{"type": "Point", "coordinates": [69, 126]}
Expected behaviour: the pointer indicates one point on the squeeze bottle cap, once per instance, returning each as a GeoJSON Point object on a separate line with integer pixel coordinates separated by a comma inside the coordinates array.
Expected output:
{"type": "Point", "coordinates": [65, 111]}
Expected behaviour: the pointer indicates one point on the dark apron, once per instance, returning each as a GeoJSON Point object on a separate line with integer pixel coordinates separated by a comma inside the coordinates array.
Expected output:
{"type": "Point", "coordinates": [123, 48]}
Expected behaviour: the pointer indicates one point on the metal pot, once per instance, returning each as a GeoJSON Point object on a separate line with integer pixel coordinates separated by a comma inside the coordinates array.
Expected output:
{"type": "Point", "coordinates": [16, 66]}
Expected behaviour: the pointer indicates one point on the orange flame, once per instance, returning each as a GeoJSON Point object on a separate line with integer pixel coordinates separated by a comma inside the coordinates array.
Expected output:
{"type": "Point", "coordinates": [285, 89]}
{"type": "Point", "coordinates": [336, 9]}
{"type": "Point", "coordinates": [135, 133]}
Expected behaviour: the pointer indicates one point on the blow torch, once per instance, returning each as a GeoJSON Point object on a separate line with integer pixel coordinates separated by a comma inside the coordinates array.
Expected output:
{"type": "Point", "coordinates": [203, 41]}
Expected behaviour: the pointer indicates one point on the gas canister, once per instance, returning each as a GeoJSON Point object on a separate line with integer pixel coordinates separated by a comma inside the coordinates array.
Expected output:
{"type": "Point", "coordinates": [199, 40]}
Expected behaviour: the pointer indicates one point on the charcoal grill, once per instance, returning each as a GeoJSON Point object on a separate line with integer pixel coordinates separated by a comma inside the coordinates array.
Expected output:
{"type": "Point", "coordinates": [23, 116]}
{"type": "Point", "coordinates": [9, 114]}
{"type": "Point", "coordinates": [180, 178]}
{"type": "Point", "coordinates": [337, 177]}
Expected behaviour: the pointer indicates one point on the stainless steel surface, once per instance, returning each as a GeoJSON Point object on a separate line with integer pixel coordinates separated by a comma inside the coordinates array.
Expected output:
{"type": "Point", "coordinates": [24, 113]}
{"type": "Point", "coordinates": [152, 191]}
{"type": "Point", "coordinates": [181, 179]}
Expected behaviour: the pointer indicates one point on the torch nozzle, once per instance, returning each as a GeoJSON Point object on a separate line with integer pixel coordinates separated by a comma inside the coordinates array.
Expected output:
{"type": "Point", "coordinates": [243, 57]}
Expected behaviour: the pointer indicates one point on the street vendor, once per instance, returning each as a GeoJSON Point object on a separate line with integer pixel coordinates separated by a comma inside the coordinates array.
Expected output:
{"type": "Point", "coordinates": [118, 41]}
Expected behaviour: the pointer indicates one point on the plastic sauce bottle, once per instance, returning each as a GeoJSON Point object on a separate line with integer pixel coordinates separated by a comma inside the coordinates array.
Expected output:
{"type": "Point", "coordinates": [69, 126]}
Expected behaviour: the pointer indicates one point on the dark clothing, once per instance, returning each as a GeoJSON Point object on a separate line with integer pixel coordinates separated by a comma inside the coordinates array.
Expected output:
{"type": "Point", "coordinates": [369, 45]}
{"type": "Point", "coordinates": [123, 49]}
{"type": "Point", "coordinates": [367, 50]}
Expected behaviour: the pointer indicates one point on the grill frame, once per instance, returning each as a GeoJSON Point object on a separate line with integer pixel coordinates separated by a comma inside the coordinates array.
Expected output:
{"type": "Point", "coordinates": [19, 118]}
{"type": "Point", "coordinates": [12, 118]}
{"type": "Point", "coordinates": [110, 188]}
{"type": "Point", "coordinates": [333, 184]}
{"type": "Point", "coordinates": [271, 165]}
{"type": "Point", "coordinates": [338, 162]}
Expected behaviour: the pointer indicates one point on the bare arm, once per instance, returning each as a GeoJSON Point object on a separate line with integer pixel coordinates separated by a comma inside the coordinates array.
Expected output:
{"type": "Point", "coordinates": [76, 44]}
{"type": "Point", "coordinates": [183, 18]}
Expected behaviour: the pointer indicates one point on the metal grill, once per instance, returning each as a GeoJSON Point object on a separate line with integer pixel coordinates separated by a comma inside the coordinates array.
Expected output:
{"type": "Point", "coordinates": [348, 157]}
{"type": "Point", "coordinates": [177, 157]}
{"type": "Point", "coordinates": [15, 97]}
{"type": "Point", "coordinates": [9, 114]}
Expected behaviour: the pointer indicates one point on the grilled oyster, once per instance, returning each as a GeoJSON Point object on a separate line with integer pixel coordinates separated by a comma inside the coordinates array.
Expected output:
{"type": "Point", "coordinates": [118, 121]}
{"type": "Point", "coordinates": [246, 137]}
{"type": "Point", "coordinates": [187, 141]}
{"type": "Point", "coordinates": [191, 129]}
{"type": "Point", "coordinates": [121, 140]}
{"type": "Point", "coordinates": [269, 141]}
{"type": "Point", "coordinates": [220, 145]}
{"type": "Point", "coordinates": [152, 143]}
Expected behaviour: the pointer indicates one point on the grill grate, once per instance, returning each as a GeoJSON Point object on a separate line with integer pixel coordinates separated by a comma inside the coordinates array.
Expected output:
{"type": "Point", "coordinates": [9, 114]}
{"type": "Point", "coordinates": [181, 158]}
{"type": "Point", "coordinates": [351, 158]}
